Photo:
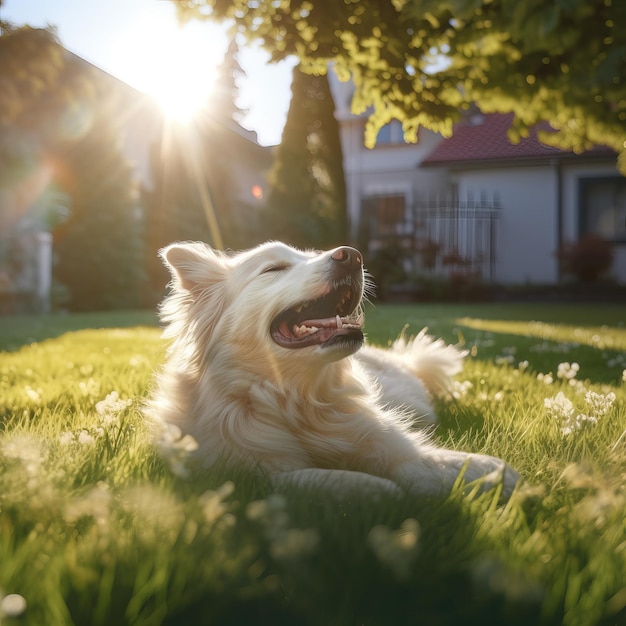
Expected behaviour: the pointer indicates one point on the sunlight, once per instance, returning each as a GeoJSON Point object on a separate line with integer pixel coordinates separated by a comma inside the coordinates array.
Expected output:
{"type": "Point", "coordinates": [177, 65]}
{"type": "Point", "coordinates": [184, 75]}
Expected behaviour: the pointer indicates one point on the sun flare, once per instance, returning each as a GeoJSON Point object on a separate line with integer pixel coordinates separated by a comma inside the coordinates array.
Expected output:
{"type": "Point", "coordinates": [185, 76]}
{"type": "Point", "coordinates": [177, 67]}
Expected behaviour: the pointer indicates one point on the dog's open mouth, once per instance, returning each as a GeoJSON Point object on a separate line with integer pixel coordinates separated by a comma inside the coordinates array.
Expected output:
{"type": "Point", "coordinates": [328, 320]}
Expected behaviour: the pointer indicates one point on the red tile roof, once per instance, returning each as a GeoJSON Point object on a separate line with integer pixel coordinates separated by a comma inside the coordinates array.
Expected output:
{"type": "Point", "coordinates": [484, 138]}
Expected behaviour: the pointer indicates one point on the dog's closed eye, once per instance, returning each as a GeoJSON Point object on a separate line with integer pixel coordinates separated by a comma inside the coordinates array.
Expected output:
{"type": "Point", "coordinates": [276, 268]}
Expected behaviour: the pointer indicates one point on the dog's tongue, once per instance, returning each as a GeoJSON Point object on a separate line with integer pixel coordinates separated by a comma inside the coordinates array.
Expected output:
{"type": "Point", "coordinates": [309, 327]}
{"type": "Point", "coordinates": [322, 328]}
{"type": "Point", "coordinates": [327, 322]}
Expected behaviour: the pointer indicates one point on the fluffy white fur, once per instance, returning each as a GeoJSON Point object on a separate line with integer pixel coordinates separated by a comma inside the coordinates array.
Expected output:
{"type": "Point", "coordinates": [315, 414]}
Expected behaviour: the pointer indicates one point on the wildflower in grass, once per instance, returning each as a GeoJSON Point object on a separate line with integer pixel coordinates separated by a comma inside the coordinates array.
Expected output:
{"type": "Point", "coordinates": [175, 448]}
{"type": "Point", "coordinates": [624, 376]}
{"type": "Point", "coordinates": [95, 504]}
{"type": "Point", "coordinates": [567, 371]}
{"type": "Point", "coordinates": [66, 438]}
{"type": "Point", "coordinates": [560, 407]}
{"type": "Point", "coordinates": [27, 450]}
{"type": "Point", "coordinates": [460, 389]}
{"type": "Point", "coordinates": [34, 395]}
{"type": "Point", "coordinates": [212, 502]}
{"type": "Point", "coordinates": [522, 366]}
{"type": "Point", "coordinates": [91, 388]}
{"type": "Point", "coordinates": [578, 386]}
{"type": "Point", "coordinates": [599, 404]}
{"type": "Point", "coordinates": [396, 549]}
{"type": "Point", "coordinates": [505, 360]}
{"type": "Point", "coordinates": [85, 438]}
{"type": "Point", "coordinates": [285, 542]}
{"type": "Point", "coordinates": [545, 378]}
{"type": "Point", "coordinates": [110, 408]}
{"type": "Point", "coordinates": [12, 605]}
{"type": "Point", "coordinates": [563, 410]}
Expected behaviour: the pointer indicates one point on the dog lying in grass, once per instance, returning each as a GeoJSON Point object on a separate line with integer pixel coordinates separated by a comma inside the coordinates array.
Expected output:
{"type": "Point", "coordinates": [267, 370]}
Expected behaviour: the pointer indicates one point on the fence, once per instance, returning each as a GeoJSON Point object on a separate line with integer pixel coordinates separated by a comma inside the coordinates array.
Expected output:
{"type": "Point", "coordinates": [441, 235]}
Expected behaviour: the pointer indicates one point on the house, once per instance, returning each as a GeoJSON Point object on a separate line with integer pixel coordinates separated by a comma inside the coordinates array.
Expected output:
{"type": "Point", "coordinates": [28, 201]}
{"type": "Point", "coordinates": [475, 202]}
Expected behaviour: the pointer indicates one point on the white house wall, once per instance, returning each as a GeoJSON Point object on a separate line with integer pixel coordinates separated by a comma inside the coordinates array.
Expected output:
{"type": "Point", "coordinates": [388, 169]}
{"type": "Point", "coordinates": [526, 229]}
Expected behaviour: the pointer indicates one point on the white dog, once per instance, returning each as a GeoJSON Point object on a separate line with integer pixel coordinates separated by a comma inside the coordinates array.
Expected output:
{"type": "Point", "coordinates": [266, 370]}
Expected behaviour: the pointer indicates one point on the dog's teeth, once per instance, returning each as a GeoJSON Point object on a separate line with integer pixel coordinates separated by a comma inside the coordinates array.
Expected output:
{"type": "Point", "coordinates": [339, 322]}
{"type": "Point", "coordinates": [300, 331]}
{"type": "Point", "coordinates": [298, 309]}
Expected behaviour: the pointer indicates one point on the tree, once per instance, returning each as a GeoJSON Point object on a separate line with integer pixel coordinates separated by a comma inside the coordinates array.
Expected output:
{"type": "Point", "coordinates": [425, 61]}
{"type": "Point", "coordinates": [223, 101]}
{"type": "Point", "coordinates": [174, 207]}
{"type": "Point", "coordinates": [307, 196]}
{"type": "Point", "coordinates": [31, 61]}
{"type": "Point", "coordinates": [98, 249]}
{"type": "Point", "coordinates": [55, 117]}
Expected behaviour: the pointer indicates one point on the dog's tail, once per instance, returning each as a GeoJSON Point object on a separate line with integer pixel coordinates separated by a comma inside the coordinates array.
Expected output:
{"type": "Point", "coordinates": [431, 360]}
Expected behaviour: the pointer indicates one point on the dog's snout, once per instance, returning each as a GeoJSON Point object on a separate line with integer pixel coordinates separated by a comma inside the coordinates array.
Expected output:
{"type": "Point", "coordinates": [349, 257]}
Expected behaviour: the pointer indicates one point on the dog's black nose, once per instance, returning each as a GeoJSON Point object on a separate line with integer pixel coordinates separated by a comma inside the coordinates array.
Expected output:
{"type": "Point", "coordinates": [349, 257]}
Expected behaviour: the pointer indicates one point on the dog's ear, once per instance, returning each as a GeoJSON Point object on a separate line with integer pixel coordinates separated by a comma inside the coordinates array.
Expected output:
{"type": "Point", "coordinates": [194, 264]}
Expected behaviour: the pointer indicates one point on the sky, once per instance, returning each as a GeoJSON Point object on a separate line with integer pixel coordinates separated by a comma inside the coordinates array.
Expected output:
{"type": "Point", "coordinates": [139, 42]}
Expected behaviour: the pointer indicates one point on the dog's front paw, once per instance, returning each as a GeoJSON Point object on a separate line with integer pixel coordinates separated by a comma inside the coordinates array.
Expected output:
{"type": "Point", "coordinates": [437, 472]}
{"type": "Point", "coordinates": [488, 472]}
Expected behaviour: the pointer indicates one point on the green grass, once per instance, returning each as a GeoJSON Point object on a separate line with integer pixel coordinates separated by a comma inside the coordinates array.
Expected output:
{"type": "Point", "coordinates": [96, 528]}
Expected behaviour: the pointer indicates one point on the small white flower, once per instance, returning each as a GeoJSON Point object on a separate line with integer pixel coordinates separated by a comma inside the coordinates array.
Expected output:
{"type": "Point", "coordinates": [599, 404]}
{"type": "Point", "coordinates": [578, 386]}
{"type": "Point", "coordinates": [66, 438]}
{"type": "Point", "coordinates": [545, 378]}
{"type": "Point", "coordinates": [460, 389]}
{"type": "Point", "coordinates": [559, 407]}
{"type": "Point", "coordinates": [624, 376]}
{"type": "Point", "coordinates": [34, 395]}
{"type": "Point", "coordinates": [567, 371]}
{"type": "Point", "coordinates": [504, 360]}
{"type": "Point", "coordinates": [176, 448]}
{"type": "Point", "coordinates": [25, 449]}
{"type": "Point", "coordinates": [522, 366]}
{"type": "Point", "coordinates": [85, 438]}
{"type": "Point", "coordinates": [396, 549]}
{"type": "Point", "coordinates": [563, 410]}
{"type": "Point", "coordinates": [110, 408]}
{"type": "Point", "coordinates": [12, 605]}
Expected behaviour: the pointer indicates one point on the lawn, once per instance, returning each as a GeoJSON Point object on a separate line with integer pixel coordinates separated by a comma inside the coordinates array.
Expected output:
{"type": "Point", "coordinates": [97, 528]}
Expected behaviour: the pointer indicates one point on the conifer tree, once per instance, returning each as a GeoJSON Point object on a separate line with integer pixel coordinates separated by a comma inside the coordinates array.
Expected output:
{"type": "Point", "coordinates": [307, 197]}
{"type": "Point", "coordinates": [223, 106]}
{"type": "Point", "coordinates": [98, 249]}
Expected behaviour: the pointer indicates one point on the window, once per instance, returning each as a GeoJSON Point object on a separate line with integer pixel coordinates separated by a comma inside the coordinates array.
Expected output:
{"type": "Point", "coordinates": [603, 207]}
{"type": "Point", "coordinates": [391, 133]}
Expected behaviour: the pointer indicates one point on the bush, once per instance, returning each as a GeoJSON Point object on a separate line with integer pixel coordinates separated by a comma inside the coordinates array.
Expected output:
{"type": "Point", "coordinates": [586, 259]}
